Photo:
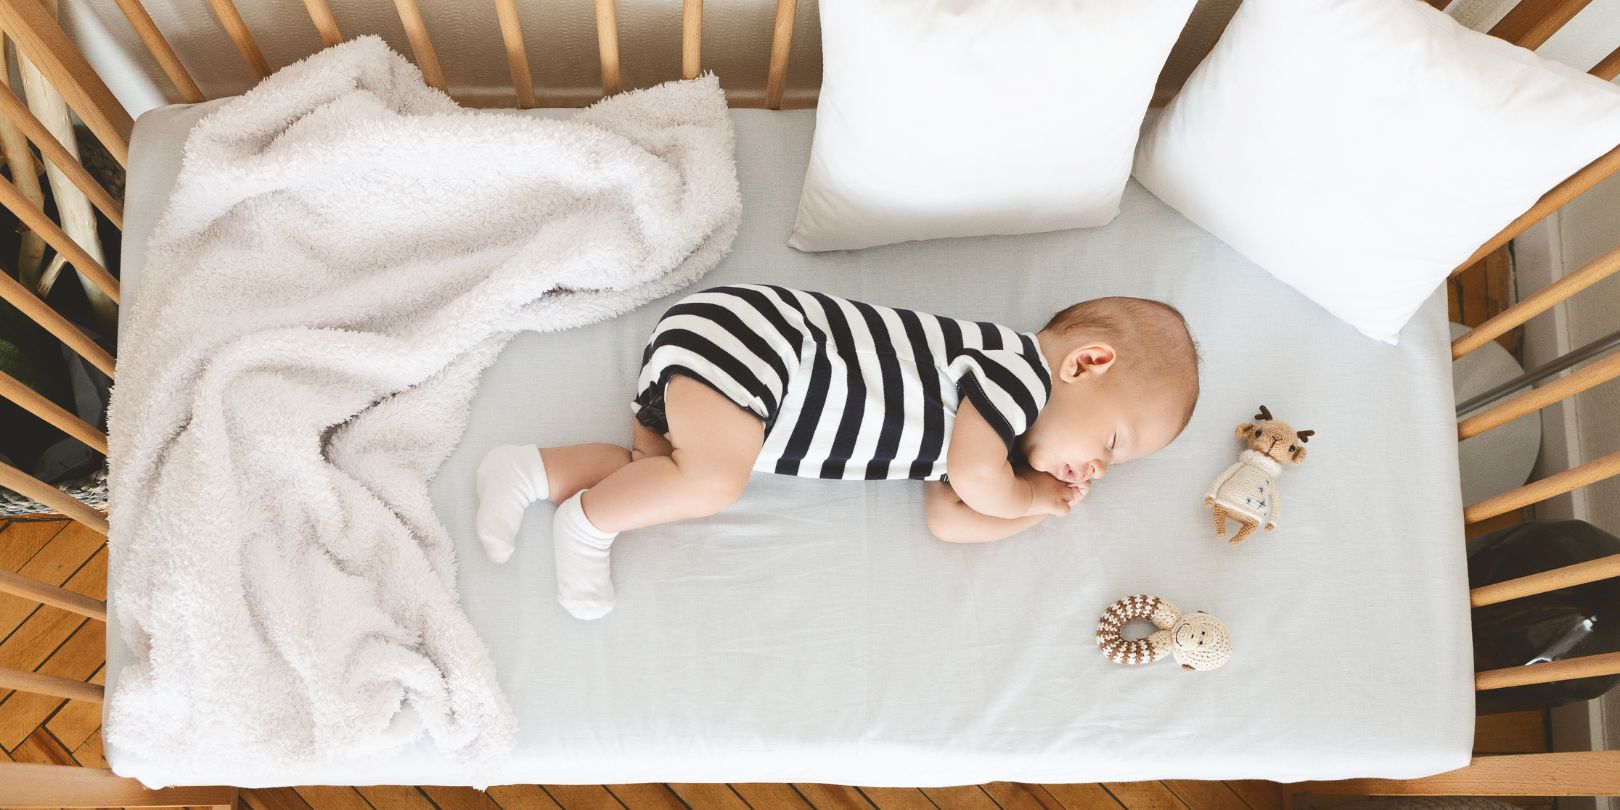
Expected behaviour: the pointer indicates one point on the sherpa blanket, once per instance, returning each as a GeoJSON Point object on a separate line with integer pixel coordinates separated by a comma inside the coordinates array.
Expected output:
{"type": "Point", "coordinates": [345, 250]}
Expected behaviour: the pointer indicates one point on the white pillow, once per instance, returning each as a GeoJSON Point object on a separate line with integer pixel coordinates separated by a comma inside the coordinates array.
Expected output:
{"type": "Point", "coordinates": [975, 117]}
{"type": "Point", "coordinates": [1359, 150]}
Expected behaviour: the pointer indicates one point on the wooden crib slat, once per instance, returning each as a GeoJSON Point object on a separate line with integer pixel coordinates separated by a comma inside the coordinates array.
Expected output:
{"type": "Point", "coordinates": [159, 48]}
{"type": "Point", "coordinates": [1549, 487]}
{"type": "Point", "coordinates": [1568, 773]}
{"type": "Point", "coordinates": [49, 685]}
{"type": "Point", "coordinates": [1565, 577]}
{"type": "Point", "coordinates": [1576, 184]}
{"type": "Point", "coordinates": [1587, 666]}
{"type": "Point", "coordinates": [236, 28]}
{"type": "Point", "coordinates": [1540, 397]}
{"type": "Point", "coordinates": [34, 217]}
{"type": "Point", "coordinates": [607, 44]}
{"type": "Point", "coordinates": [1532, 22]}
{"type": "Point", "coordinates": [39, 312]}
{"type": "Point", "coordinates": [46, 594]}
{"type": "Point", "coordinates": [325, 24]}
{"type": "Point", "coordinates": [37, 404]}
{"type": "Point", "coordinates": [410, 15]}
{"type": "Point", "coordinates": [41, 38]}
{"type": "Point", "coordinates": [1544, 299]}
{"type": "Point", "coordinates": [691, 38]}
{"type": "Point", "coordinates": [517, 59]}
{"type": "Point", "coordinates": [24, 119]}
{"type": "Point", "coordinates": [781, 47]}
{"type": "Point", "coordinates": [31, 785]}
{"type": "Point", "coordinates": [30, 487]}
{"type": "Point", "coordinates": [1608, 67]}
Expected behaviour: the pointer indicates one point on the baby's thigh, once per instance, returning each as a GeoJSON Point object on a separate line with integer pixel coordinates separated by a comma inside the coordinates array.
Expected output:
{"type": "Point", "coordinates": [709, 429]}
{"type": "Point", "coordinates": [647, 443]}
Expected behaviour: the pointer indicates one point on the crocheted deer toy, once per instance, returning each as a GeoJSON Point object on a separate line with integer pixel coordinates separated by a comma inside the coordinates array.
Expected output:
{"type": "Point", "coordinates": [1247, 491]}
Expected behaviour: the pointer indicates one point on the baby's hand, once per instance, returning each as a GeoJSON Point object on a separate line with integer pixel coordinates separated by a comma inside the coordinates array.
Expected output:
{"type": "Point", "coordinates": [1051, 496]}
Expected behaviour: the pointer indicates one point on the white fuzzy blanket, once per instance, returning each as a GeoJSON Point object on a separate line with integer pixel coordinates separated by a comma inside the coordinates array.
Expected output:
{"type": "Point", "coordinates": [345, 250]}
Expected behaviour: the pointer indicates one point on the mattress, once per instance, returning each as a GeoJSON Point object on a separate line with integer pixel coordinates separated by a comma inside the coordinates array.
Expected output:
{"type": "Point", "coordinates": [816, 632]}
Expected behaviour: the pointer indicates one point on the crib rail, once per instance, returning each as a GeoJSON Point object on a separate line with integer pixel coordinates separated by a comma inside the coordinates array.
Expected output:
{"type": "Point", "coordinates": [1608, 67]}
{"type": "Point", "coordinates": [164, 55]}
{"type": "Point", "coordinates": [39, 38]}
{"type": "Point", "coordinates": [45, 43]}
{"type": "Point", "coordinates": [47, 785]}
{"type": "Point", "coordinates": [517, 59]}
{"type": "Point", "coordinates": [1530, 24]}
{"type": "Point", "coordinates": [607, 44]}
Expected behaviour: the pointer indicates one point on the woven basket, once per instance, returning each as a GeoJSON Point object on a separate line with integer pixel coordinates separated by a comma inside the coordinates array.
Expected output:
{"type": "Point", "coordinates": [91, 489]}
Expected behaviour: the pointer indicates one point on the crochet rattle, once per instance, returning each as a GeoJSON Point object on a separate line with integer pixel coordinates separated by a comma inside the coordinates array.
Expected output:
{"type": "Point", "coordinates": [1247, 491]}
{"type": "Point", "coordinates": [1196, 640]}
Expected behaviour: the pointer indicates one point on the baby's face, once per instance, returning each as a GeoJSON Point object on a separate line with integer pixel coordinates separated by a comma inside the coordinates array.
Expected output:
{"type": "Point", "coordinates": [1092, 421]}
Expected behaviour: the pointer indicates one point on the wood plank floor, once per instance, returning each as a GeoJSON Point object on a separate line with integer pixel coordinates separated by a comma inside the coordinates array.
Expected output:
{"type": "Point", "coordinates": [51, 731]}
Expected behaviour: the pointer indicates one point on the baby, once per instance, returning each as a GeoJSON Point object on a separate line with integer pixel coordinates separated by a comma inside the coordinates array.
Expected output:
{"type": "Point", "coordinates": [1007, 428]}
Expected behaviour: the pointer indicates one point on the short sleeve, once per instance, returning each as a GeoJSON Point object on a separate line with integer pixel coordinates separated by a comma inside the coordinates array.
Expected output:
{"type": "Point", "coordinates": [1007, 386]}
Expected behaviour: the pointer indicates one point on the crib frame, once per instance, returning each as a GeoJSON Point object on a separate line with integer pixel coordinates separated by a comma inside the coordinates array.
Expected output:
{"type": "Point", "coordinates": [41, 39]}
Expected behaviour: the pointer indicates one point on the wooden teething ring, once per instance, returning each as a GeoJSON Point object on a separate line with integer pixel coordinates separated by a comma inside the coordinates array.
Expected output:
{"type": "Point", "coordinates": [1121, 650]}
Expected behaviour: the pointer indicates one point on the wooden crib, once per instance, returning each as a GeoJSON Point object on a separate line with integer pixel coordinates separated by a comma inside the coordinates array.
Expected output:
{"type": "Point", "coordinates": [42, 41]}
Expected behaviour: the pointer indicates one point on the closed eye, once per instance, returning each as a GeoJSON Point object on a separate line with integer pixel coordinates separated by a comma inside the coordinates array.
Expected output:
{"type": "Point", "coordinates": [1112, 440]}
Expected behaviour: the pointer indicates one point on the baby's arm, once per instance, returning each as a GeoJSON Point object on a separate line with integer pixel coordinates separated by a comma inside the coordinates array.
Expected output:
{"type": "Point", "coordinates": [984, 480]}
{"type": "Point", "coordinates": [953, 521]}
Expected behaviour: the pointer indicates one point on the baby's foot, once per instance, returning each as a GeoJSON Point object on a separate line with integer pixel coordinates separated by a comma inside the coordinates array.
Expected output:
{"type": "Point", "coordinates": [584, 582]}
{"type": "Point", "coordinates": [510, 477]}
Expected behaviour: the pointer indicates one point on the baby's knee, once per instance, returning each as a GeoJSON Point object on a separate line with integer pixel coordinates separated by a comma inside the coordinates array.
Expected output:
{"type": "Point", "coordinates": [709, 490]}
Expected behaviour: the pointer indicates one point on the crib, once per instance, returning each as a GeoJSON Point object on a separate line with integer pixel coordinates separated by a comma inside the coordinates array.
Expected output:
{"type": "Point", "coordinates": [39, 37]}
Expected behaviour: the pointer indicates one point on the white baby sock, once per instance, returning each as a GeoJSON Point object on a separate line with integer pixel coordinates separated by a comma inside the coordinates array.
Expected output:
{"type": "Point", "coordinates": [510, 477]}
{"type": "Point", "coordinates": [584, 583]}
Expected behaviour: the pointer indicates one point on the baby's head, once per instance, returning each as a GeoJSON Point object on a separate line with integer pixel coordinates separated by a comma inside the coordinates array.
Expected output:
{"type": "Point", "coordinates": [1124, 383]}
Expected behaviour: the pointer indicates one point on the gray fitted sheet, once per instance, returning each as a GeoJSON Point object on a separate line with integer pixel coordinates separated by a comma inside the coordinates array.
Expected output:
{"type": "Point", "coordinates": [815, 632]}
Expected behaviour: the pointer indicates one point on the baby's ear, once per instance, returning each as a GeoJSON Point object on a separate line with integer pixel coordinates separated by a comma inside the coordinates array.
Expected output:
{"type": "Point", "coordinates": [1096, 358]}
{"type": "Point", "coordinates": [1245, 429]}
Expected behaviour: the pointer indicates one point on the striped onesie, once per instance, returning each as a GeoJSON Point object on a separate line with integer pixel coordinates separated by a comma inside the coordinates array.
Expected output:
{"type": "Point", "coordinates": [845, 389]}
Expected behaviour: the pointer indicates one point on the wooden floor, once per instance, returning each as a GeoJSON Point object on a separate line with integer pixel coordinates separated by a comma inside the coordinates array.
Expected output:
{"type": "Point", "coordinates": [52, 731]}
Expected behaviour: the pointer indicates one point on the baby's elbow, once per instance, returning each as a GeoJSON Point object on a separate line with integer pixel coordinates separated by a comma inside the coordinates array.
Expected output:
{"type": "Point", "coordinates": [944, 530]}
{"type": "Point", "coordinates": [948, 526]}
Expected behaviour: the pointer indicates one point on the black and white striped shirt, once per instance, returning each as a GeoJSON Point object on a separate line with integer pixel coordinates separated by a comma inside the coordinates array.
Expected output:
{"type": "Point", "coordinates": [846, 389]}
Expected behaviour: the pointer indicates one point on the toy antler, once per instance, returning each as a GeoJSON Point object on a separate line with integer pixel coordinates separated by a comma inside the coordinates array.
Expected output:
{"type": "Point", "coordinates": [1305, 435]}
{"type": "Point", "coordinates": [1264, 415]}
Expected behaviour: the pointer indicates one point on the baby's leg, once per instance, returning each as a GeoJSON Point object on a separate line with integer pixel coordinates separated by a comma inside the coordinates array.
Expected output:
{"type": "Point", "coordinates": [579, 466]}
{"type": "Point", "coordinates": [512, 476]}
{"type": "Point", "coordinates": [714, 445]}
{"type": "Point", "coordinates": [646, 443]}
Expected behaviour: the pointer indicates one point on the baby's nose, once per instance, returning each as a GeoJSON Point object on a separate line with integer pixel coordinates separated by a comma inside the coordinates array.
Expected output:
{"type": "Point", "coordinates": [1098, 469]}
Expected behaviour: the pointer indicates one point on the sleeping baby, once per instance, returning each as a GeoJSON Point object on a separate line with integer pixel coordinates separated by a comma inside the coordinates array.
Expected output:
{"type": "Point", "coordinates": [1006, 428]}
